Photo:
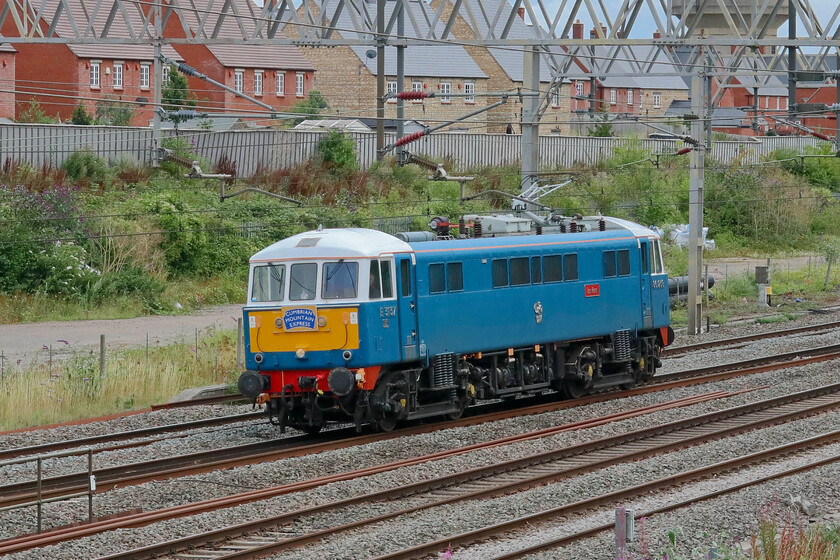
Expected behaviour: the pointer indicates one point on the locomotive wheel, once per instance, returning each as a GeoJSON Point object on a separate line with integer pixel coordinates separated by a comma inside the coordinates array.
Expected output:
{"type": "Point", "coordinates": [380, 420]}
{"type": "Point", "coordinates": [458, 413]}
{"type": "Point", "coordinates": [385, 424]}
{"type": "Point", "coordinates": [574, 389]}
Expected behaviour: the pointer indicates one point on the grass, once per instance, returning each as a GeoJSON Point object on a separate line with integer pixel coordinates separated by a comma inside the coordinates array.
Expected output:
{"type": "Point", "coordinates": [67, 389]}
{"type": "Point", "coordinates": [190, 294]}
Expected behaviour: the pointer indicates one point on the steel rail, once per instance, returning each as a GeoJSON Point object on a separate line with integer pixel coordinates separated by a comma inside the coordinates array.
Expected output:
{"type": "Point", "coordinates": [626, 493]}
{"type": "Point", "coordinates": [672, 352]}
{"type": "Point", "coordinates": [518, 474]}
{"type": "Point", "coordinates": [132, 434]}
{"type": "Point", "coordinates": [207, 461]}
{"type": "Point", "coordinates": [144, 518]}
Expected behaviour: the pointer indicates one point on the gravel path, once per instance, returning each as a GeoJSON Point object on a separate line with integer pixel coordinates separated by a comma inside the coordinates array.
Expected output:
{"type": "Point", "coordinates": [442, 521]}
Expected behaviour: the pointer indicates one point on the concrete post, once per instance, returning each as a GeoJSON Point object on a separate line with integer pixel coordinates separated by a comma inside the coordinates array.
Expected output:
{"type": "Point", "coordinates": [695, 206]}
{"type": "Point", "coordinates": [400, 78]}
{"type": "Point", "coordinates": [530, 119]}
{"type": "Point", "coordinates": [380, 80]}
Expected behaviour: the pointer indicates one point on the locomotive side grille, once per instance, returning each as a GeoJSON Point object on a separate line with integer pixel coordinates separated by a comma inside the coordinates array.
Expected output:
{"type": "Point", "coordinates": [622, 345]}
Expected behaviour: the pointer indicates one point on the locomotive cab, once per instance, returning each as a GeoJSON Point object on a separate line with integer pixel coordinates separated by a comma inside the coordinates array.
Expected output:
{"type": "Point", "coordinates": [307, 297]}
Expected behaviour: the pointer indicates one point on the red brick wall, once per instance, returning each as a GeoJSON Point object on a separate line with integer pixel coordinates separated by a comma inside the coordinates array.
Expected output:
{"type": "Point", "coordinates": [131, 90]}
{"type": "Point", "coordinates": [49, 69]}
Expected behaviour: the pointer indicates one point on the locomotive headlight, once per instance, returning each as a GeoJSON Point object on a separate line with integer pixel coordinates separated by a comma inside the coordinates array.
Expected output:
{"type": "Point", "coordinates": [322, 321]}
{"type": "Point", "coordinates": [258, 358]}
{"type": "Point", "coordinates": [278, 322]}
{"type": "Point", "coordinates": [300, 353]}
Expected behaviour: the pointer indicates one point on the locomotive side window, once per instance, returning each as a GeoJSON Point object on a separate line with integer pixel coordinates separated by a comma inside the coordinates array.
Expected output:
{"type": "Point", "coordinates": [375, 290]}
{"type": "Point", "coordinates": [553, 268]}
{"type": "Point", "coordinates": [609, 264]}
{"type": "Point", "coordinates": [303, 280]}
{"type": "Point", "coordinates": [500, 273]}
{"type": "Point", "coordinates": [387, 281]}
{"type": "Point", "coordinates": [643, 257]}
{"type": "Point", "coordinates": [455, 276]}
{"type": "Point", "coordinates": [624, 262]}
{"type": "Point", "coordinates": [340, 280]}
{"type": "Point", "coordinates": [437, 280]}
{"type": "Point", "coordinates": [536, 270]}
{"type": "Point", "coordinates": [269, 283]}
{"type": "Point", "coordinates": [405, 278]}
{"type": "Point", "coordinates": [520, 273]}
{"type": "Point", "coordinates": [570, 267]}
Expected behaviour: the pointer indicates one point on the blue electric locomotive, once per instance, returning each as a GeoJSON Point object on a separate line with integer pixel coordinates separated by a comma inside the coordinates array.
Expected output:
{"type": "Point", "coordinates": [357, 324]}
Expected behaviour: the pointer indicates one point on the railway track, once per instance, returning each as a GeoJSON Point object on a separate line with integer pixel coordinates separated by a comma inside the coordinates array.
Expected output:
{"type": "Point", "coordinates": [277, 534]}
{"type": "Point", "coordinates": [206, 461]}
{"type": "Point", "coordinates": [736, 342]}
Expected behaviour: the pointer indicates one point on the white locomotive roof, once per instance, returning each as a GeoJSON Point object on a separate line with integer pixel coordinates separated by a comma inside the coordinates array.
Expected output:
{"type": "Point", "coordinates": [333, 243]}
{"type": "Point", "coordinates": [632, 227]}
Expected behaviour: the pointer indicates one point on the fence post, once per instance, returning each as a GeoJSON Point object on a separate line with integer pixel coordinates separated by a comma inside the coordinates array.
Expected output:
{"type": "Point", "coordinates": [101, 356]}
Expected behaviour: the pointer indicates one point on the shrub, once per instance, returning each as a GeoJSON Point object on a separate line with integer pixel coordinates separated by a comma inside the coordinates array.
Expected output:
{"type": "Point", "coordinates": [86, 166]}
{"type": "Point", "coordinates": [113, 112]}
{"type": "Point", "coordinates": [337, 151]}
{"type": "Point", "coordinates": [129, 281]}
{"type": "Point", "coordinates": [33, 113]}
{"type": "Point", "coordinates": [182, 149]}
{"type": "Point", "coordinates": [81, 116]}
{"type": "Point", "coordinates": [63, 270]}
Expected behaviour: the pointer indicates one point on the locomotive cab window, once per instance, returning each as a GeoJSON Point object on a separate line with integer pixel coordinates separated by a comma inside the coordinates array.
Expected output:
{"type": "Point", "coordinates": [269, 283]}
{"type": "Point", "coordinates": [500, 273]}
{"type": "Point", "coordinates": [381, 280]}
{"type": "Point", "coordinates": [656, 258]}
{"type": "Point", "coordinates": [570, 267]}
{"type": "Point", "coordinates": [303, 278]}
{"type": "Point", "coordinates": [520, 273]}
{"type": "Point", "coordinates": [609, 264]}
{"type": "Point", "coordinates": [340, 280]}
{"type": "Point", "coordinates": [437, 279]}
{"type": "Point", "coordinates": [624, 262]}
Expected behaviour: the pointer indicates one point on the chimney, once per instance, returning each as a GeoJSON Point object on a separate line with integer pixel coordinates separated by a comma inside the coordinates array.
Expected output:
{"type": "Point", "coordinates": [593, 34]}
{"type": "Point", "coordinates": [577, 30]}
{"type": "Point", "coordinates": [521, 12]}
{"type": "Point", "coordinates": [657, 35]}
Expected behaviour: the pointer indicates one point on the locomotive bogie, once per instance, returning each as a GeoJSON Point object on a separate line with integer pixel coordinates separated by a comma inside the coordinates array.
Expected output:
{"type": "Point", "coordinates": [439, 325]}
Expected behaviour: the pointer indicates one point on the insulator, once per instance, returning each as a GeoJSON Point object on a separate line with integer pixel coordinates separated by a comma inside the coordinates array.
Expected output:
{"type": "Point", "coordinates": [602, 225]}
{"type": "Point", "coordinates": [188, 70]}
{"type": "Point", "coordinates": [410, 138]}
{"type": "Point", "coordinates": [462, 227]}
{"type": "Point", "coordinates": [539, 230]}
{"type": "Point", "coordinates": [573, 227]}
{"type": "Point", "coordinates": [821, 136]}
{"type": "Point", "coordinates": [683, 152]}
{"type": "Point", "coordinates": [562, 227]}
{"type": "Point", "coordinates": [412, 95]}
{"type": "Point", "coordinates": [477, 228]}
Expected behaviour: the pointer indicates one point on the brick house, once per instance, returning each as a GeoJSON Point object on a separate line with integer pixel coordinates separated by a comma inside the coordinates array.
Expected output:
{"type": "Point", "coordinates": [7, 80]}
{"type": "Point", "coordinates": [61, 76]}
{"type": "Point", "coordinates": [278, 75]}
{"type": "Point", "coordinates": [346, 76]}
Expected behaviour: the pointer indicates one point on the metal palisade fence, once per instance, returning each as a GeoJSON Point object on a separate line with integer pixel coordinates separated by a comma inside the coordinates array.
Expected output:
{"type": "Point", "coordinates": [39, 145]}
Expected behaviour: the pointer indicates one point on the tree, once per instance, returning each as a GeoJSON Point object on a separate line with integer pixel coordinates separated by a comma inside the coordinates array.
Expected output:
{"type": "Point", "coordinates": [310, 107]}
{"type": "Point", "coordinates": [176, 95]}
{"type": "Point", "coordinates": [338, 152]}
{"type": "Point", "coordinates": [604, 126]}
{"type": "Point", "coordinates": [81, 116]}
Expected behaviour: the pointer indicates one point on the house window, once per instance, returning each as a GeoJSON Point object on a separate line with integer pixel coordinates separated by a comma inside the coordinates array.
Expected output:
{"type": "Point", "coordinates": [281, 84]}
{"type": "Point", "coordinates": [299, 84]}
{"type": "Point", "coordinates": [238, 79]}
{"type": "Point", "coordinates": [613, 96]}
{"type": "Point", "coordinates": [766, 101]}
{"type": "Point", "coordinates": [94, 74]}
{"type": "Point", "coordinates": [657, 100]}
{"type": "Point", "coordinates": [165, 71]}
{"type": "Point", "coordinates": [579, 89]}
{"type": "Point", "coordinates": [555, 95]}
{"type": "Point", "coordinates": [144, 76]}
{"type": "Point", "coordinates": [258, 81]}
{"type": "Point", "coordinates": [784, 103]}
{"type": "Point", "coordinates": [629, 96]}
{"type": "Point", "coordinates": [118, 75]}
{"type": "Point", "coordinates": [445, 90]}
{"type": "Point", "coordinates": [417, 86]}
{"type": "Point", "coordinates": [469, 91]}
{"type": "Point", "coordinates": [392, 91]}
{"type": "Point", "coordinates": [778, 103]}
